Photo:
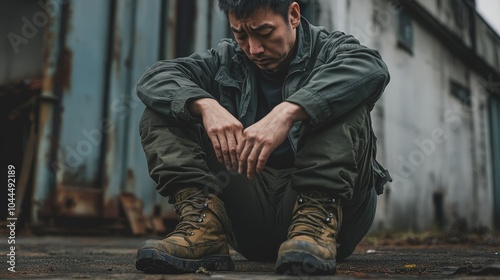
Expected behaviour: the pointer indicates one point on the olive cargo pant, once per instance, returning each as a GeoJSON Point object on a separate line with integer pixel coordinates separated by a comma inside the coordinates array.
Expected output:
{"type": "Point", "coordinates": [336, 159]}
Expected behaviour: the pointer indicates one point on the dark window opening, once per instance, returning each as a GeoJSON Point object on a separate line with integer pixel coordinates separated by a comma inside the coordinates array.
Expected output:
{"type": "Point", "coordinates": [438, 209]}
{"type": "Point", "coordinates": [405, 31]}
{"type": "Point", "coordinates": [461, 92]}
{"type": "Point", "coordinates": [459, 13]}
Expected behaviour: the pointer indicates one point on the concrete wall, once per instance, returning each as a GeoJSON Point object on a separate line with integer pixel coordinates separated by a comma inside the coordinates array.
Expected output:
{"type": "Point", "coordinates": [436, 147]}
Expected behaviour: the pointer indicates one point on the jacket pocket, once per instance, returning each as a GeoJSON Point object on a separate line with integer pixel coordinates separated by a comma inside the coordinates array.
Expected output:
{"type": "Point", "coordinates": [381, 175]}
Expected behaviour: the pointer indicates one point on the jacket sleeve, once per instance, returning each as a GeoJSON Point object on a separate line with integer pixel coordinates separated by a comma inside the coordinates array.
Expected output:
{"type": "Point", "coordinates": [167, 86]}
{"type": "Point", "coordinates": [348, 75]}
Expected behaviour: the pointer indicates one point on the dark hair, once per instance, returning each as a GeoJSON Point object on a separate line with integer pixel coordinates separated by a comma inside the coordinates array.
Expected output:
{"type": "Point", "coordinates": [245, 8]}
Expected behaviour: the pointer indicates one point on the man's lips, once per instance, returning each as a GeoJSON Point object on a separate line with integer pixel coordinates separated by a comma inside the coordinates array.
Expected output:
{"type": "Point", "coordinates": [261, 61]}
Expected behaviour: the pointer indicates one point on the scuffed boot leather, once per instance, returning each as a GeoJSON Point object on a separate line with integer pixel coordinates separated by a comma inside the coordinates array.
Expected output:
{"type": "Point", "coordinates": [199, 240]}
{"type": "Point", "coordinates": [311, 248]}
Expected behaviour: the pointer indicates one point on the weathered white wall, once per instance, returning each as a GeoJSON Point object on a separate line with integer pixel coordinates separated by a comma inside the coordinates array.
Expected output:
{"type": "Point", "coordinates": [430, 141]}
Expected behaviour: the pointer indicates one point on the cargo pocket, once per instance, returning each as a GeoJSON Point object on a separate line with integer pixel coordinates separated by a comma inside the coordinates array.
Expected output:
{"type": "Point", "coordinates": [381, 175]}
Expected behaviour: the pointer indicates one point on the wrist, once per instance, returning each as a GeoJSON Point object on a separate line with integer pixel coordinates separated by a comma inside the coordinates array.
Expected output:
{"type": "Point", "coordinates": [199, 106]}
{"type": "Point", "coordinates": [292, 112]}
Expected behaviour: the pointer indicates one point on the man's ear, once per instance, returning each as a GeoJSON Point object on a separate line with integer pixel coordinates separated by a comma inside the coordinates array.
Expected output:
{"type": "Point", "coordinates": [294, 14]}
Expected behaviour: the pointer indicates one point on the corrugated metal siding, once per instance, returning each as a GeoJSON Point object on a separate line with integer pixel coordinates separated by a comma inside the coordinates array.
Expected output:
{"type": "Point", "coordinates": [146, 50]}
{"type": "Point", "coordinates": [89, 148]}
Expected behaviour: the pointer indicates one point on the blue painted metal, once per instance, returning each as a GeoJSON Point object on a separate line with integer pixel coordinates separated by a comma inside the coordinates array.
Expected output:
{"type": "Point", "coordinates": [44, 176]}
{"type": "Point", "coordinates": [96, 50]}
{"type": "Point", "coordinates": [117, 109]}
{"type": "Point", "coordinates": [82, 102]}
{"type": "Point", "coordinates": [146, 51]}
{"type": "Point", "coordinates": [219, 26]}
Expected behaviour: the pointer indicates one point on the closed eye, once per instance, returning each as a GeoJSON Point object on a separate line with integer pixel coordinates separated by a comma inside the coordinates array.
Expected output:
{"type": "Point", "coordinates": [240, 36]}
{"type": "Point", "coordinates": [267, 35]}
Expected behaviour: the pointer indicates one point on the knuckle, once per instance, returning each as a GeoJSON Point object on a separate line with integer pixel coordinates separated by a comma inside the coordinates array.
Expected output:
{"type": "Point", "coordinates": [267, 141]}
{"type": "Point", "coordinates": [211, 130]}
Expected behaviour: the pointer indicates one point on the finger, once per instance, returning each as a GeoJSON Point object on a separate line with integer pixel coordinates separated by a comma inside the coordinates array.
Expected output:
{"type": "Point", "coordinates": [244, 150]}
{"type": "Point", "coordinates": [216, 144]}
{"type": "Point", "coordinates": [239, 136]}
{"type": "Point", "coordinates": [231, 141]}
{"type": "Point", "coordinates": [252, 161]}
{"type": "Point", "coordinates": [263, 157]}
{"type": "Point", "coordinates": [225, 151]}
{"type": "Point", "coordinates": [239, 140]}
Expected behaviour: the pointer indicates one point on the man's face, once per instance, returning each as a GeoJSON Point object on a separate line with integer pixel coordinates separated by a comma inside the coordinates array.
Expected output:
{"type": "Point", "coordinates": [265, 37]}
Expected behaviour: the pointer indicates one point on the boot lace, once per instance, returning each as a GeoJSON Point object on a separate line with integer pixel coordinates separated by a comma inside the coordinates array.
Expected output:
{"type": "Point", "coordinates": [189, 211]}
{"type": "Point", "coordinates": [312, 223]}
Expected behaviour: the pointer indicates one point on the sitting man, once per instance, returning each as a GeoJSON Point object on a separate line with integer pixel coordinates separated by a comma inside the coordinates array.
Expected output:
{"type": "Point", "coordinates": [264, 143]}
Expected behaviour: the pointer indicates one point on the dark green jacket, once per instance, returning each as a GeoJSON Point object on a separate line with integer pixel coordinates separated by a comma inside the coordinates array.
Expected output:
{"type": "Point", "coordinates": [330, 75]}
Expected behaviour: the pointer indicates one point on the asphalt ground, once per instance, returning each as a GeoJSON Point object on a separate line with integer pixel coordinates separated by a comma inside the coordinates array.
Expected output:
{"type": "Point", "coordinates": [113, 257]}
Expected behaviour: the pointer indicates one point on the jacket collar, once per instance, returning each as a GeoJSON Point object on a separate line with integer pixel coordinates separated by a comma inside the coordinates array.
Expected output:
{"type": "Point", "coordinates": [304, 43]}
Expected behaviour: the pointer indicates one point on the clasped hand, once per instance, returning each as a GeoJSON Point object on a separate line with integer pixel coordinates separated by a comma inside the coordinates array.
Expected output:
{"type": "Point", "coordinates": [245, 150]}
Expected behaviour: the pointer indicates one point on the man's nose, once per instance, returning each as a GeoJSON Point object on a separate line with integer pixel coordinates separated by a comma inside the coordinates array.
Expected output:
{"type": "Point", "coordinates": [255, 46]}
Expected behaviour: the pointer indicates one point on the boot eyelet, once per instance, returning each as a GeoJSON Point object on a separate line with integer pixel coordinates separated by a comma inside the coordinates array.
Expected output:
{"type": "Point", "coordinates": [205, 205]}
{"type": "Point", "coordinates": [331, 215]}
{"type": "Point", "coordinates": [328, 219]}
{"type": "Point", "coordinates": [200, 220]}
{"type": "Point", "coordinates": [301, 200]}
{"type": "Point", "coordinates": [333, 200]}
{"type": "Point", "coordinates": [191, 233]}
{"type": "Point", "coordinates": [204, 215]}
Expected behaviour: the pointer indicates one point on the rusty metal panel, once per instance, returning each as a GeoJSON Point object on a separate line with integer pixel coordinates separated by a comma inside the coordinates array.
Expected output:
{"type": "Point", "coordinates": [89, 118]}
{"type": "Point", "coordinates": [83, 88]}
{"type": "Point", "coordinates": [70, 120]}
{"type": "Point", "coordinates": [136, 43]}
{"type": "Point", "coordinates": [146, 52]}
{"type": "Point", "coordinates": [44, 177]}
{"type": "Point", "coordinates": [133, 209]}
{"type": "Point", "coordinates": [78, 202]}
{"type": "Point", "coordinates": [117, 105]}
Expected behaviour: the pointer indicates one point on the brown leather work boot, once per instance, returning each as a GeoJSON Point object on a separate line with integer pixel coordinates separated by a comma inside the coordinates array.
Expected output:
{"type": "Point", "coordinates": [199, 240]}
{"type": "Point", "coordinates": [311, 247]}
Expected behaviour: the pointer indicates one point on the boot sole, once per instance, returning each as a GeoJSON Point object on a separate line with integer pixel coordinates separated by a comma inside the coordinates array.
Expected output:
{"type": "Point", "coordinates": [303, 263]}
{"type": "Point", "coordinates": [155, 261]}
